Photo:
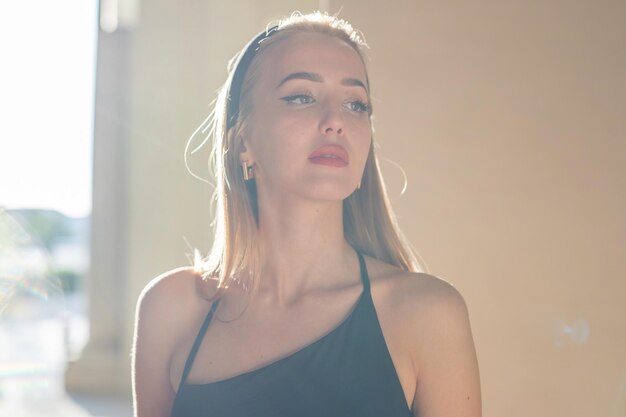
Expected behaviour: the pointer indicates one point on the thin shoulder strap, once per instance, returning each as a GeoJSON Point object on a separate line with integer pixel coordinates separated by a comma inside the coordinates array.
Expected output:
{"type": "Point", "coordinates": [198, 341]}
{"type": "Point", "coordinates": [364, 276]}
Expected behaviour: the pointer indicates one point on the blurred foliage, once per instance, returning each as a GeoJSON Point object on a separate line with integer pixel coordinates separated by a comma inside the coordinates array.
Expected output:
{"type": "Point", "coordinates": [45, 226]}
{"type": "Point", "coordinates": [70, 281]}
{"type": "Point", "coordinates": [12, 233]}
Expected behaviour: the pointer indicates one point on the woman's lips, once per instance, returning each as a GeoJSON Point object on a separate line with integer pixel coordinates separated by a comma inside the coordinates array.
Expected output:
{"type": "Point", "coordinates": [330, 155]}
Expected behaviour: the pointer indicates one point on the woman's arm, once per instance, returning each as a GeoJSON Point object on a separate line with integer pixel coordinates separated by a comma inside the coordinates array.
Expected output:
{"type": "Point", "coordinates": [154, 339]}
{"type": "Point", "coordinates": [448, 383]}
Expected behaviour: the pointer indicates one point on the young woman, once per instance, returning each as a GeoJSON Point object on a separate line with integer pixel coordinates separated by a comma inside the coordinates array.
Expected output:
{"type": "Point", "coordinates": [309, 303]}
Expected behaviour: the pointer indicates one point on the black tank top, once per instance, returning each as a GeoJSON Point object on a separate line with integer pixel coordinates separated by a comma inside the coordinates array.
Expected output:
{"type": "Point", "coordinates": [348, 372]}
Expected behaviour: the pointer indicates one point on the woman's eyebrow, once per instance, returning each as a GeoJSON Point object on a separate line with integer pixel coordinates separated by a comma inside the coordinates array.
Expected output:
{"type": "Point", "coordinates": [310, 76]}
{"type": "Point", "coordinates": [302, 76]}
{"type": "Point", "coordinates": [353, 82]}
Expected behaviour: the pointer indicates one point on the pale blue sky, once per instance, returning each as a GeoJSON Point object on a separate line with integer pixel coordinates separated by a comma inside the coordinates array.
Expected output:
{"type": "Point", "coordinates": [47, 79]}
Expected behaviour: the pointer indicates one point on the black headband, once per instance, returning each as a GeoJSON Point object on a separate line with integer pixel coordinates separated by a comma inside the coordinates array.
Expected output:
{"type": "Point", "coordinates": [234, 91]}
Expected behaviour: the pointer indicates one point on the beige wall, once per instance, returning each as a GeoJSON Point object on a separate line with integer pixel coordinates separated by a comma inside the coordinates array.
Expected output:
{"type": "Point", "coordinates": [509, 119]}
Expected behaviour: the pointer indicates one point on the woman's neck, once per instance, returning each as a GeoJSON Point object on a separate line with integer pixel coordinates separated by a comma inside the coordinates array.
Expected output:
{"type": "Point", "coordinates": [303, 248]}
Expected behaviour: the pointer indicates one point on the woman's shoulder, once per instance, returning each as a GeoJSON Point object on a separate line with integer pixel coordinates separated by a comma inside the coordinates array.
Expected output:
{"type": "Point", "coordinates": [426, 323]}
{"type": "Point", "coordinates": [411, 287]}
{"type": "Point", "coordinates": [176, 293]}
{"type": "Point", "coordinates": [426, 318]}
{"type": "Point", "coordinates": [423, 300]}
{"type": "Point", "coordinates": [169, 285]}
{"type": "Point", "coordinates": [180, 282]}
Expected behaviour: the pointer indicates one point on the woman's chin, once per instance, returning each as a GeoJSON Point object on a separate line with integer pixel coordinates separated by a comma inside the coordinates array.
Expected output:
{"type": "Point", "coordinates": [329, 192]}
{"type": "Point", "coordinates": [326, 189]}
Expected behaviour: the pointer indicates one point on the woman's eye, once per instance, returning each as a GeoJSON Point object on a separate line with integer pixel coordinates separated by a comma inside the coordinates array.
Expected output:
{"type": "Point", "coordinates": [298, 99]}
{"type": "Point", "coordinates": [359, 106]}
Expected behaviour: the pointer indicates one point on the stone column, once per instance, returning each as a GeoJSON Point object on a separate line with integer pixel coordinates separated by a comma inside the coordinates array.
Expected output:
{"type": "Point", "coordinates": [98, 369]}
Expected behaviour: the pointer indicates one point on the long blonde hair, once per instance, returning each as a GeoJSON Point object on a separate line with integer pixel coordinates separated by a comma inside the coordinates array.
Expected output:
{"type": "Point", "coordinates": [370, 225]}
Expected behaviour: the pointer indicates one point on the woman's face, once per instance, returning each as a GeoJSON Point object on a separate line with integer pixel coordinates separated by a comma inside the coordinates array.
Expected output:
{"type": "Point", "coordinates": [309, 132]}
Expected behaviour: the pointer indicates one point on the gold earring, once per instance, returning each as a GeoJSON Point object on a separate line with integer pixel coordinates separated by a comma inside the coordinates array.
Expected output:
{"type": "Point", "coordinates": [247, 171]}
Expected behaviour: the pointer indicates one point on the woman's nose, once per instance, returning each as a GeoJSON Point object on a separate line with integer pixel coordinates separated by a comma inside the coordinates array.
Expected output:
{"type": "Point", "coordinates": [332, 122]}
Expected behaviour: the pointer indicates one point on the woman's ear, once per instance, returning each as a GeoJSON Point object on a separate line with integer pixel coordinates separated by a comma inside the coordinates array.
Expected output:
{"type": "Point", "coordinates": [246, 161]}
{"type": "Point", "coordinates": [245, 155]}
